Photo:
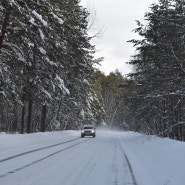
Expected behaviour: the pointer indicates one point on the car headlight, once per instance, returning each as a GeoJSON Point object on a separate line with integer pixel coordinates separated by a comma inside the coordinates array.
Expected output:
{"type": "Point", "coordinates": [92, 131]}
{"type": "Point", "coordinates": [82, 131]}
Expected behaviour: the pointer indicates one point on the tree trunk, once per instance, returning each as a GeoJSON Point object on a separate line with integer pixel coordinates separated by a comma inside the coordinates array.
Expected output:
{"type": "Point", "coordinates": [29, 115]}
{"type": "Point", "coordinates": [23, 114]}
{"type": "Point", "coordinates": [22, 119]}
{"type": "Point", "coordinates": [4, 27]}
{"type": "Point", "coordinates": [43, 118]}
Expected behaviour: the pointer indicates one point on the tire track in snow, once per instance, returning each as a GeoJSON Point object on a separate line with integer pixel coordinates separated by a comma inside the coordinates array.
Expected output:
{"type": "Point", "coordinates": [41, 159]}
{"type": "Point", "coordinates": [114, 166]}
{"type": "Point", "coordinates": [129, 165]}
{"type": "Point", "coordinates": [35, 150]}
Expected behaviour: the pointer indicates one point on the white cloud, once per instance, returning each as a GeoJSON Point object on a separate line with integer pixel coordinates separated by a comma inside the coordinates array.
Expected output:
{"type": "Point", "coordinates": [118, 19]}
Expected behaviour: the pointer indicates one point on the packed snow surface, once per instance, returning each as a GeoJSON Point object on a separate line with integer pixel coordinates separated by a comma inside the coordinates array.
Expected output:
{"type": "Point", "coordinates": [111, 158]}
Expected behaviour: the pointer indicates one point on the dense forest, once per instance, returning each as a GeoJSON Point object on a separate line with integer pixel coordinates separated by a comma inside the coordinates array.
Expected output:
{"type": "Point", "coordinates": [48, 79]}
{"type": "Point", "coordinates": [158, 101]}
{"type": "Point", "coordinates": [46, 61]}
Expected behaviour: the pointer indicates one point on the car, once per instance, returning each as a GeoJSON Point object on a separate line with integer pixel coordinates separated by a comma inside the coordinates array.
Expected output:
{"type": "Point", "coordinates": [88, 130]}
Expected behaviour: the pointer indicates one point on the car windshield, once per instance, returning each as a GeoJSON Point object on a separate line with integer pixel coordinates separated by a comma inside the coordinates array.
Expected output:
{"type": "Point", "coordinates": [88, 127]}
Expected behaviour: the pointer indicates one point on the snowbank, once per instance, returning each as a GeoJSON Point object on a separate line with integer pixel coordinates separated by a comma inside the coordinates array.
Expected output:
{"type": "Point", "coordinates": [155, 161]}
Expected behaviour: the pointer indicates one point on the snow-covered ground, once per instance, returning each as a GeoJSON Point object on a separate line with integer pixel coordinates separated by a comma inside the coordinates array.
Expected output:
{"type": "Point", "coordinates": [112, 158]}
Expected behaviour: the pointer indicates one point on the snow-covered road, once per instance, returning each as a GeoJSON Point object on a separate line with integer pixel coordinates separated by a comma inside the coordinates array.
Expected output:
{"type": "Point", "coordinates": [112, 158]}
{"type": "Point", "coordinates": [91, 161]}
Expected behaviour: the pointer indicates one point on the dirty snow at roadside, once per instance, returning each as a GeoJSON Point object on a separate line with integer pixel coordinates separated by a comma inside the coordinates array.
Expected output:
{"type": "Point", "coordinates": [111, 158]}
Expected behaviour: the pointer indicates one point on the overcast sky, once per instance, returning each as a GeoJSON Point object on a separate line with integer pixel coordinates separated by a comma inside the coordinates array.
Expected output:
{"type": "Point", "coordinates": [117, 19]}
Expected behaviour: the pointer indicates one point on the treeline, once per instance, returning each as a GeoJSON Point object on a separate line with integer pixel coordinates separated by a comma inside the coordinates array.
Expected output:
{"type": "Point", "coordinates": [111, 95]}
{"type": "Point", "coordinates": [46, 62]}
{"type": "Point", "coordinates": [157, 104]}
